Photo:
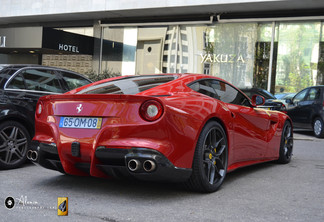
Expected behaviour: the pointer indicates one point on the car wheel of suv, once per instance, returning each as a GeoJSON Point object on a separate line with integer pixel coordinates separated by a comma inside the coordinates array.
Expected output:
{"type": "Point", "coordinates": [14, 142]}
{"type": "Point", "coordinates": [318, 127]}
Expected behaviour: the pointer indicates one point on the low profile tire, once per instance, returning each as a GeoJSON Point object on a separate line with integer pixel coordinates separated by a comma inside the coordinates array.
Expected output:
{"type": "Point", "coordinates": [210, 160]}
{"type": "Point", "coordinates": [14, 142]}
{"type": "Point", "coordinates": [286, 144]}
{"type": "Point", "coordinates": [318, 127]}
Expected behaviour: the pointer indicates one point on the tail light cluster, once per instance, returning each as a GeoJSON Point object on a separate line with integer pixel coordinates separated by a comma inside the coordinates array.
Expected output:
{"type": "Point", "coordinates": [151, 110]}
{"type": "Point", "coordinates": [39, 108]}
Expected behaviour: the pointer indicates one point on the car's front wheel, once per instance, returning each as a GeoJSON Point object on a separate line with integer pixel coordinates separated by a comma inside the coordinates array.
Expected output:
{"type": "Point", "coordinates": [14, 142]}
{"type": "Point", "coordinates": [318, 127]}
{"type": "Point", "coordinates": [210, 160]}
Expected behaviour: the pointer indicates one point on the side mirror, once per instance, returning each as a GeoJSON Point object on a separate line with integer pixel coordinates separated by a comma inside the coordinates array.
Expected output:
{"type": "Point", "coordinates": [257, 100]}
{"type": "Point", "coordinates": [289, 101]}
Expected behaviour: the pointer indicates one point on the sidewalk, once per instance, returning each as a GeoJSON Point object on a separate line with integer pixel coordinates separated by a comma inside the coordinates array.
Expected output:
{"type": "Point", "coordinates": [306, 135]}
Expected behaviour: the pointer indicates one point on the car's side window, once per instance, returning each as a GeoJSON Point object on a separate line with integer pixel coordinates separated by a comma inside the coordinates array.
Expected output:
{"type": "Point", "coordinates": [17, 83]}
{"type": "Point", "coordinates": [314, 94]}
{"type": "Point", "coordinates": [220, 90]}
{"type": "Point", "coordinates": [300, 96]}
{"type": "Point", "coordinates": [42, 80]}
{"type": "Point", "coordinates": [228, 94]}
{"type": "Point", "coordinates": [205, 87]}
{"type": "Point", "coordinates": [74, 81]}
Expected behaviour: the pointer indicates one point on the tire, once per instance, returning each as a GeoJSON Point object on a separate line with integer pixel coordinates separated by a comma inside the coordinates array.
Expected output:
{"type": "Point", "coordinates": [210, 159]}
{"type": "Point", "coordinates": [286, 144]}
{"type": "Point", "coordinates": [14, 142]}
{"type": "Point", "coordinates": [318, 127]}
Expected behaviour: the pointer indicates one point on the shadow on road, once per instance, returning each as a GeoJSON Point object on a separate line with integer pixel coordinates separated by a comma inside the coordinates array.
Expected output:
{"type": "Point", "coordinates": [133, 188]}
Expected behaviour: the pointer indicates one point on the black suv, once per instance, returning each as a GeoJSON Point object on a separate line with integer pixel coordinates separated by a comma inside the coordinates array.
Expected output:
{"type": "Point", "coordinates": [20, 88]}
{"type": "Point", "coordinates": [306, 109]}
{"type": "Point", "coordinates": [271, 101]}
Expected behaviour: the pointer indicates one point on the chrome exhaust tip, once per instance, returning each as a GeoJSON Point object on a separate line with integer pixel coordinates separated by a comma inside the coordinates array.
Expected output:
{"type": "Point", "coordinates": [29, 153]}
{"type": "Point", "coordinates": [133, 165]}
{"type": "Point", "coordinates": [32, 155]}
{"type": "Point", "coordinates": [149, 165]}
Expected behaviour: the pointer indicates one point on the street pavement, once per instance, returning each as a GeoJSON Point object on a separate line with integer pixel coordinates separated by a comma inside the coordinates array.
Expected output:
{"type": "Point", "coordinates": [264, 192]}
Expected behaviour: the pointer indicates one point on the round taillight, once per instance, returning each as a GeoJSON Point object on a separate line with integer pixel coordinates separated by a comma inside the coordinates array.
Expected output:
{"type": "Point", "coordinates": [39, 108]}
{"type": "Point", "coordinates": [151, 110]}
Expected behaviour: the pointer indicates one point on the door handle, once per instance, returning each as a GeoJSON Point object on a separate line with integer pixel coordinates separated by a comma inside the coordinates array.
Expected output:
{"type": "Point", "coordinates": [233, 115]}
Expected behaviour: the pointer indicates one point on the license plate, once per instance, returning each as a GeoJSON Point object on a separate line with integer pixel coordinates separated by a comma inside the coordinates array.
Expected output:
{"type": "Point", "coordinates": [80, 122]}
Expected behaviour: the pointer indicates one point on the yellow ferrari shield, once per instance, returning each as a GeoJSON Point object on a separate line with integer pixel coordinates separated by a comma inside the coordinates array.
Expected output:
{"type": "Point", "coordinates": [62, 206]}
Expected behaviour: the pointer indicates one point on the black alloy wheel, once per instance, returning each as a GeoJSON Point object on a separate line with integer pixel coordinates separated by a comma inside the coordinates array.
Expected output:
{"type": "Point", "coordinates": [14, 142]}
{"type": "Point", "coordinates": [210, 159]}
{"type": "Point", "coordinates": [286, 144]}
{"type": "Point", "coordinates": [318, 127]}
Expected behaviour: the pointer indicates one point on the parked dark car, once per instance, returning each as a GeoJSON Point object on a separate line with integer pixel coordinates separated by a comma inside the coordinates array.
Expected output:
{"type": "Point", "coordinates": [271, 101]}
{"type": "Point", "coordinates": [306, 109]}
{"type": "Point", "coordinates": [20, 88]}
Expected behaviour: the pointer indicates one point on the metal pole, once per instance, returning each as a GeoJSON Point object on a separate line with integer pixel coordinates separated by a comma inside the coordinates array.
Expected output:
{"type": "Point", "coordinates": [271, 55]}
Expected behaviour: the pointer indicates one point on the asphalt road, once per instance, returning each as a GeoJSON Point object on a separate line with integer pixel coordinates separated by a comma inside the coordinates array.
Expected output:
{"type": "Point", "coordinates": [265, 192]}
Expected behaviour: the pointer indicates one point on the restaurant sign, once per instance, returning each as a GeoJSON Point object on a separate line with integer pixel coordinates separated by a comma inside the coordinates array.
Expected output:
{"type": "Point", "coordinates": [221, 58]}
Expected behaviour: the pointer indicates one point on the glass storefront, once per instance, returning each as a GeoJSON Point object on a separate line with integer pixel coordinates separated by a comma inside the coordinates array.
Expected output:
{"type": "Point", "coordinates": [240, 53]}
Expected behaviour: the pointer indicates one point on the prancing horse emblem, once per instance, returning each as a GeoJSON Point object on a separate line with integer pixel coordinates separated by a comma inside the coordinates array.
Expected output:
{"type": "Point", "coordinates": [79, 108]}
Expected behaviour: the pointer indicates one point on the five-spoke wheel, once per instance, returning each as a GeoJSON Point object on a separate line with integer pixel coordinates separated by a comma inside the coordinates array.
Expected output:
{"type": "Point", "coordinates": [210, 160]}
{"type": "Point", "coordinates": [14, 141]}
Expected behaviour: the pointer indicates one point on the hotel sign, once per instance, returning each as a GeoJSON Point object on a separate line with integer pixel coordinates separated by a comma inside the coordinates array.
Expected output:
{"type": "Point", "coordinates": [68, 48]}
{"type": "Point", "coordinates": [221, 58]}
{"type": "Point", "coordinates": [67, 42]}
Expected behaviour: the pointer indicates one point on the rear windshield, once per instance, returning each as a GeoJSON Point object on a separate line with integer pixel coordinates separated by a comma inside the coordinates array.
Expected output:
{"type": "Point", "coordinates": [128, 85]}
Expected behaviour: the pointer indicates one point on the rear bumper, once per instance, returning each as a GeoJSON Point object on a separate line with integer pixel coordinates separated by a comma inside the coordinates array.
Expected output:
{"type": "Point", "coordinates": [46, 156]}
{"type": "Point", "coordinates": [114, 162]}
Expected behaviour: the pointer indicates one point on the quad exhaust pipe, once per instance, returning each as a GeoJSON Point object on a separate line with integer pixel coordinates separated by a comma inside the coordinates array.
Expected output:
{"type": "Point", "coordinates": [149, 165]}
{"type": "Point", "coordinates": [32, 155]}
{"type": "Point", "coordinates": [135, 165]}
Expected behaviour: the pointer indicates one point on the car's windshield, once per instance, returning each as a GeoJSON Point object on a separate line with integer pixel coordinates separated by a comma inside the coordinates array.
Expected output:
{"type": "Point", "coordinates": [128, 85]}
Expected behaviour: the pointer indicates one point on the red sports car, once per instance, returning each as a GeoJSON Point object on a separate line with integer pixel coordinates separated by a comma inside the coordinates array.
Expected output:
{"type": "Point", "coordinates": [173, 127]}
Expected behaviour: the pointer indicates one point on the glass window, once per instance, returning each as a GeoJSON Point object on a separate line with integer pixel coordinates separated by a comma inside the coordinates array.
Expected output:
{"type": "Point", "coordinates": [17, 83]}
{"type": "Point", "coordinates": [42, 80]}
{"type": "Point", "coordinates": [205, 87]}
{"type": "Point", "coordinates": [300, 96]}
{"type": "Point", "coordinates": [298, 55]}
{"type": "Point", "coordinates": [128, 85]}
{"type": "Point", "coordinates": [314, 94]}
{"type": "Point", "coordinates": [74, 81]}
{"type": "Point", "coordinates": [220, 90]}
{"type": "Point", "coordinates": [228, 94]}
{"type": "Point", "coordinates": [6, 73]}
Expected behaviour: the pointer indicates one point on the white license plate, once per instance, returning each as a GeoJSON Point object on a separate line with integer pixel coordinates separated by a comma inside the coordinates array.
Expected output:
{"type": "Point", "coordinates": [80, 122]}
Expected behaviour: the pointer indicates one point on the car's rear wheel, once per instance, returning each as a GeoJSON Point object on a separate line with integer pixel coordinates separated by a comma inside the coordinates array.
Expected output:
{"type": "Point", "coordinates": [318, 127]}
{"type": "Point", "coordinates": [286, 144]}
{"type": "Point", "coordinates": [14, 142]}
{"type": "Point", "coordinates": [210, 159]}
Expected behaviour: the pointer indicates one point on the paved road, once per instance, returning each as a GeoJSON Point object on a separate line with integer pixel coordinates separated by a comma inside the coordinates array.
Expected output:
{"type": "Point", "coordinates": [266, 192]}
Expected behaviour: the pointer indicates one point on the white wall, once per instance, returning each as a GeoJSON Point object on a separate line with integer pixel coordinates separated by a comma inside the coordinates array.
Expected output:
{"type": "Point", "coordinates": [10, 8]}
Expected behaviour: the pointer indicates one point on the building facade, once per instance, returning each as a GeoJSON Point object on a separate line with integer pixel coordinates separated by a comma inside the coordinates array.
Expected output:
{"type": "Point", "coordinates": [274, 45]}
